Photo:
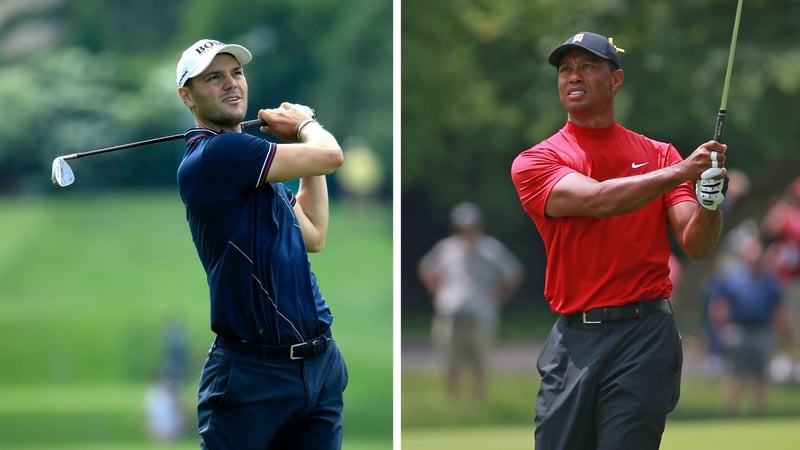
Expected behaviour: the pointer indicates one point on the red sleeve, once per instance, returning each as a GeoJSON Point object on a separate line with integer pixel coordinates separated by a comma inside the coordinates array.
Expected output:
{"type": "Point", "coordinates": [534, 173]}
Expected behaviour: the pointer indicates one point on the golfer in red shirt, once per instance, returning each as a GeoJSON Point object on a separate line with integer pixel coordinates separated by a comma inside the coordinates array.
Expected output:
{"type": "Point", "coordinates": [604, 200]}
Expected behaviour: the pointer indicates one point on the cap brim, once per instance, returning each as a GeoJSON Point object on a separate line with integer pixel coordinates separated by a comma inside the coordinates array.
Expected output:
{"type": "Point", "coordinates": [558, 53]}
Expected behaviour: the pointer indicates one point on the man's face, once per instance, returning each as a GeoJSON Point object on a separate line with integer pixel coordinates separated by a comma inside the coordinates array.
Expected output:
{"type": "Point", "coordinates": [218, 96]}
{"type": "Point", "coordinates": [587, 83]}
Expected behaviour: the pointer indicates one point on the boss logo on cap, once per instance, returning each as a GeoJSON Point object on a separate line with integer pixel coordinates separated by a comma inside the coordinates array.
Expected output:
{"type": "Point", "coordinates": [207, 45]}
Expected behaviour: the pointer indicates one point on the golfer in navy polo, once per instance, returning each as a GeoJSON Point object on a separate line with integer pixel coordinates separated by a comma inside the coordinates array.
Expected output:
{"type": "Point", "coordinates": [273, 378]}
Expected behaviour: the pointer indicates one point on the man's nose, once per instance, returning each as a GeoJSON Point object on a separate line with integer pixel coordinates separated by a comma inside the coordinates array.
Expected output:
{"type": "Point", "coordinates": [574, 76]}
{"type": "Point", "coordinates": [229, 82]}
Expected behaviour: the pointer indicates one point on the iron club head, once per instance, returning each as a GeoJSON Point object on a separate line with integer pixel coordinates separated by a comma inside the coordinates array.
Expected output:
{"type": "Point", "coordinates": [62, 173]}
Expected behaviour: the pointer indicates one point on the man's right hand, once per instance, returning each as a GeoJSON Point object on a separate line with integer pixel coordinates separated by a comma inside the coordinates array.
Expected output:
{"type": "Point", "coordinates": [707, 161]}
{"type": "Point", "coordinates": [282, 122]}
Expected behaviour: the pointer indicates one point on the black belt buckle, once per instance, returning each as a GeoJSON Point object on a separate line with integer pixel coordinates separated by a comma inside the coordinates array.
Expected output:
{"type": "Point", "coordinates": [296, 346]}
{"type": "Point", "coordinates": [314, 343]}
{"type": "Point", "coordinates": [584, 319]}
{"type": "Point", "coordinates": [293, 347]}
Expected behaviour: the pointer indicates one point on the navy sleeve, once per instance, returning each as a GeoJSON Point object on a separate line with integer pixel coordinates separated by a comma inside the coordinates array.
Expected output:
{"type": "Point", "coordinates": [239, 161]}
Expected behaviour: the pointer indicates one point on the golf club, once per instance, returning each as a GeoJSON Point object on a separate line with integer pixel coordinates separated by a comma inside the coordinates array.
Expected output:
{"type": "Point", "coordinates": [713, 172]}
{"type": "Point", "coordinates": [62, 173]}
{"type": "Point", "coordinates": [63, 176]}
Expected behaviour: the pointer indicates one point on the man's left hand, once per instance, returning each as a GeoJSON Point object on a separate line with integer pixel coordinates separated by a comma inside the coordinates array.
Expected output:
{"type": "Point", "coordinates": [709, 192]}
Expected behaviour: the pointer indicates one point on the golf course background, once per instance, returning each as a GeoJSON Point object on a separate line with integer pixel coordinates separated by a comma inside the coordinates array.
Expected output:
{"type": "Point", "coordinates": [431, 421]}
{"type": "Point", "coordinates": [734, 434]}
{"type": "Point", "coordinates": [88, 282]}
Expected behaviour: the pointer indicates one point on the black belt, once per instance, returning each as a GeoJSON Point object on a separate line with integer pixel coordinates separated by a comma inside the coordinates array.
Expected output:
{"type": "Point", "coordinates": [302, 350]}
{"type": "Point", "coordinates": [635, 310]}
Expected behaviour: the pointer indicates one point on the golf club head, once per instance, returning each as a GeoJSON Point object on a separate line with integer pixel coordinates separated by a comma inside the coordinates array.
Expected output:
{"type": "Point", "coordinates": [62, 173]}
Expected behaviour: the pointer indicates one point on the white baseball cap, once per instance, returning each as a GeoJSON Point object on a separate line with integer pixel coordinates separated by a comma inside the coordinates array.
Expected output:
{"type": "Point", "coordinates": [199, 55]}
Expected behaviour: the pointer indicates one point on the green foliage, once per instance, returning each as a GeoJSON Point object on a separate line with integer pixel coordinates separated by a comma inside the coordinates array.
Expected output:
{"type": "Point", "coordinates": [88, 282]}
{"type": "Point", "coordinates": [74, 101]}
{"type": "Point", "coordinates": [140, 26]}
{"type": "Point", "coordinates": [109, 80]}
{"type": "Point", "coordinates": [356, 86]}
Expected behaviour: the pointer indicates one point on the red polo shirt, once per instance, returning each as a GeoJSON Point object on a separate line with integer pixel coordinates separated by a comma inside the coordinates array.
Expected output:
{"type": "Point", "coordinates": [600, 262]}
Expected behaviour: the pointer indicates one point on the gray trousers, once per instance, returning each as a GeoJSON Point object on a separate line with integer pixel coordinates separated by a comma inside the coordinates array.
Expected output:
{"type": "Point", "coordinates": [608, 386]}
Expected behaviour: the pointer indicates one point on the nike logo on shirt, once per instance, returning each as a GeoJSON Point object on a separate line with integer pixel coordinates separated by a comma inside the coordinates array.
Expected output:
{"type": "Point", "coordinates": [636, 166]}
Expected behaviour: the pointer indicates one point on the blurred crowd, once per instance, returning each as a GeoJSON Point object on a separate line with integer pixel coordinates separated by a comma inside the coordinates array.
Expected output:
{"type": "Point", "coordinates": [752, 298]}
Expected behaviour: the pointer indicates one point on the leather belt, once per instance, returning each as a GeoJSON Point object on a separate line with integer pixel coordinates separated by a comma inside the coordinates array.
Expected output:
{"type": "Point", "coordinates": [635, 310]}
{"type": "Point", "coordinates": [307, 349]}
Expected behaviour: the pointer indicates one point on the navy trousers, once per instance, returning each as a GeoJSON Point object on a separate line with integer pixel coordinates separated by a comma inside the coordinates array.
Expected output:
{"type": "Point", "coordinates": [258, 403]}
{"type": "Point", "coordinates": [608, 386]}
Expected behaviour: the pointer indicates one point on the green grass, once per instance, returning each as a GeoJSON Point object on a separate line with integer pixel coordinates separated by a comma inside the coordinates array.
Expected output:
{"type": "Point", "coordinates": [715, 434]}
{"type": "Point", "coordinates": [430, 421]}
{"type": "Point", "coordinates": [512, 396]}
{"type": "Point", "coordinates": [87, 282]}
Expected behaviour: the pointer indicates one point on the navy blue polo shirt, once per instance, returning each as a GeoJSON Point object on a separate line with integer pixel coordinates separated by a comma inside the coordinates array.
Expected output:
{"type": "Point", "coordinates": [249, 241]}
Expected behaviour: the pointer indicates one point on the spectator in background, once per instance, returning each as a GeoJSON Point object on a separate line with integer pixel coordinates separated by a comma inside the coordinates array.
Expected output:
{"type": "Point", "coordinates": [165, 418]}
{"type": "Point", "coordinates": [738, 188]}
{"type": "Point", "coordinates": [745, 306]}
{"type": "Point", "coordinates": [781, 226]}
{"type": "Point", "coordinates": [176, 351]}
{"type": "Point", "coordinates": [469, 274]}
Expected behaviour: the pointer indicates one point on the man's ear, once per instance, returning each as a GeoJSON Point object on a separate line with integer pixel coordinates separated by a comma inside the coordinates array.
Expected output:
{"type": "Point", "coordinates": [186, 96]}
{"type": "Point", "coordinates": [617, 77]}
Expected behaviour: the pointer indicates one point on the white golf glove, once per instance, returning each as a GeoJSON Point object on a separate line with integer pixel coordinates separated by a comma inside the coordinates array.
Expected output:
{"type": "Point", "coordinates": [709, 192]}
{"type": "Point", "coordinates": [306, 109]}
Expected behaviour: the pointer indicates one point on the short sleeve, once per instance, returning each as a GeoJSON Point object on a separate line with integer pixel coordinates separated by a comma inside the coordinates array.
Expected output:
{"type": "Point", "coordinates": [239, 160]}
{"type": "Point", "coordinates": [534, 173]}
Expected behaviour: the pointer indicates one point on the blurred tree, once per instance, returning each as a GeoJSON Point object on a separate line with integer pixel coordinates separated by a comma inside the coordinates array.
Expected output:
{"type": "Point", "coordinates": [123, 26]}
{"type": "Point", "coordinates": [357, 104]}
{"type": "Point", "coordinates": [107, 77]}
{"type": "Point", "coordinates": [72, 101]}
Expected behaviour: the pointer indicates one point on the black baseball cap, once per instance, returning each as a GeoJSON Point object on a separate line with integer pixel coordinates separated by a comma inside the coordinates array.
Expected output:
{"type": "Point", "coordinates": [592, 42]}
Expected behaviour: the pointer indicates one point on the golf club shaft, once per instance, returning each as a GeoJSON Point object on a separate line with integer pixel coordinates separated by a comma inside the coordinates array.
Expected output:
{"type": "Point", "coordinates": [724, 103]}
{"type": "Point", "coordinates": [246, 124]}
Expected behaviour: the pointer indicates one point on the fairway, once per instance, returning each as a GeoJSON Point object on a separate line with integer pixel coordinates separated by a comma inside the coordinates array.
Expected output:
{"type": "Point", "coordinates": [88, 282]}
{"type": "Point", "coordinates": [505, 422]}
{"type": "Point", "coordinates": [739, 434]}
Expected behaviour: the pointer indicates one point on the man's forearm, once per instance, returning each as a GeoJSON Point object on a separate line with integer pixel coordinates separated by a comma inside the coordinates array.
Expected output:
{"type": "Point", "coordinates": [702, 232]}
{"type": "Point", "coordinates": [579, 195]}
{"type": "Point", "coordinates": [312, 196]}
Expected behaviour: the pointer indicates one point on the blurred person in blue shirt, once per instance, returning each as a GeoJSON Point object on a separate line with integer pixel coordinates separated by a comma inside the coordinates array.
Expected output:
{"type": "Point", "coordinates": [746, 307]}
